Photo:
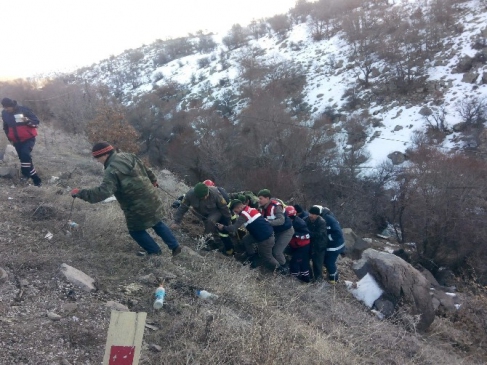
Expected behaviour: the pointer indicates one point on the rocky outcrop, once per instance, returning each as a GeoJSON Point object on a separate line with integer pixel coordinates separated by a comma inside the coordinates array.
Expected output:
{"type": "Point", "coordinates": [354, 244]}
{"type": "Point", "coordinates": [464, 64]}
{"type": "Point", "coordinates": [425, 111]}
{"type": "Point", "coordinates": [470, 77]}
{"type": "Point", "coordinates": [458, 127]}
{"type": "Point", "coordinates": [3, 276]}
{"type": "Point", "coordinates": [401, 281]}
{"type": "Point", "coordinates": [397, 157]}
{"type": "Point", "coordinates": [78, 278]}
{"type": "Point", "coordinates": [8, 172]}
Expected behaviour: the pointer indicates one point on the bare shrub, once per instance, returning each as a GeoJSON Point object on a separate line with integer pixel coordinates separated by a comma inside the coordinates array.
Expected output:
{"type": "Point", "coordinates": [473, 111]}
{"type": "Point", "coordinates": [436, 120]}
{"type": "Point", "coordinates": [236, 37]}
{"type": "Point", "coordinates": [110, 125]}
{"type": "Point", "coordinates": [205, 44]}
{"type": "Point", "coordinates": [257, 28]}
{"type": "Point", "coordinates": [280, 24]}
{"type": "Point", "coordinates": [442, 207]}
{"type": "Point", "coordinates": [203, 62]}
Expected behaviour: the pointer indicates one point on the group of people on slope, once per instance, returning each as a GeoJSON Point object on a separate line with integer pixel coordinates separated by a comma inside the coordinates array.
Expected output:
{"type": "Point", "coordinates": [266, 226]}
{"type": "Point", "coordinates": [272, 229]}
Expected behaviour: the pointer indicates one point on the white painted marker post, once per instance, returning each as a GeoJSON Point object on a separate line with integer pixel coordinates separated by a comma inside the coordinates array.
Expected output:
{"type": "Point", "coordinates": [124, 339]}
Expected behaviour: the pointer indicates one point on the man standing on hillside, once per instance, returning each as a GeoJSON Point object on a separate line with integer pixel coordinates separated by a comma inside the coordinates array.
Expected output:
{"type": "Point", "coordinates": [134, 185]}
{"type": "Point", "coordinates": [20, 126]}
{"type": "Point", "coordinates": [209, 205]}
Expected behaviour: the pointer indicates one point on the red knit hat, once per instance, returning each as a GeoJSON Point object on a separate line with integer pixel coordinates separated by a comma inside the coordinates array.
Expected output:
{"type": "Point", "coordinates": [101, 149]}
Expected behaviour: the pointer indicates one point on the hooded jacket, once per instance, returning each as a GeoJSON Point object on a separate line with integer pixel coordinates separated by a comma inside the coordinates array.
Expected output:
{"type": "Point", "coordinates": [131, 182]}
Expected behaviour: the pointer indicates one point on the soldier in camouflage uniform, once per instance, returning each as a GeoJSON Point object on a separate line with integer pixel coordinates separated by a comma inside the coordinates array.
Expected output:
{"type": "Point", "coordinates": [209, 205]}
{"type": "Point", "coordinates": [134, 185]}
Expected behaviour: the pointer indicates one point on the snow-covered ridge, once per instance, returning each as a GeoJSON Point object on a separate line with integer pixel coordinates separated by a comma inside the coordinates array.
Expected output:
{"type": "Point", "coordinates": [329, 74]}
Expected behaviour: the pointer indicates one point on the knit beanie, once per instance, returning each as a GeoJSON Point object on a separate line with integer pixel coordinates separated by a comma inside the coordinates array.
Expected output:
{"type": "Point", "coordinates": [314, 210]}
{"type": "Point", "coordinates": [266, 193]}
{"type": "Point", "coordinates": [299, 208]}
{"type": "Point", "coordinates": [6, 103]}
{"type": "Point", "coordinates": [235, 203]}
{"type": "Point", "coordinates": [101, 149]}
{"type": "Point", "coordinates": [200, 190]}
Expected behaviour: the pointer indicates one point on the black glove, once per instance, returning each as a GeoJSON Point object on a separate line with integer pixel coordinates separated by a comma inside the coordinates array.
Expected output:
{"type": "Point", "coordinates": [176, 204]}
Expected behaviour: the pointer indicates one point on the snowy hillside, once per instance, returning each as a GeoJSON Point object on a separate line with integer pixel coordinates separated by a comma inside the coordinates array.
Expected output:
{"type": "Point", "coordinates": [330, 73]}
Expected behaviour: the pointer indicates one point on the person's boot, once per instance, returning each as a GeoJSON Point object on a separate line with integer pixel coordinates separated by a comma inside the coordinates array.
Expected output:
{"type": "Point", "coordinates": [255, 261]}
{"type": "Point", "coordinates": [283, 270]}
{"type": "Point", "coordinates": [251, 260]}
{"type": "Point", "coordinates": [36, 180]}
{"type": "Point", "coordinates": [176, 251]}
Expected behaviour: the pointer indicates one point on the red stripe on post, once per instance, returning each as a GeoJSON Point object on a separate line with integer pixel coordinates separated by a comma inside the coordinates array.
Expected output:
{"type": "Point", "coordinates": [121, 355]}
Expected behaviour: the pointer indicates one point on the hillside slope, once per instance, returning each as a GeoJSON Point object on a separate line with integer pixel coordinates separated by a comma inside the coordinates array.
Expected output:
{"type": "Point", "coordinates": [334, 76]}
{"type": "Point", "coordinates": [259, 318]}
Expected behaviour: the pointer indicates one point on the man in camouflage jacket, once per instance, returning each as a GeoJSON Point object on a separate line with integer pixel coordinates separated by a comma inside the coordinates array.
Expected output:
{"type": "Point", "coordinates": [134, 186]}
{"type": "Point", "coordinates": [209, 205]}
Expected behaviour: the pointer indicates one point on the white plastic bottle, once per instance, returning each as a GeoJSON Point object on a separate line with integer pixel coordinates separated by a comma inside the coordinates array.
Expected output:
{"type": "Point", "coordinates": [160, 294]}
{"type": "Point", "coordinates": [203, 294]}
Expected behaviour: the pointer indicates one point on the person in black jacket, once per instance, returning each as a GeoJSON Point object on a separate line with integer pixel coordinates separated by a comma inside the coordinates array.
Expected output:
{"type": "Point", "coordinates": [319, 241]}
{"type": "Point", "coordinates": [20, 126]}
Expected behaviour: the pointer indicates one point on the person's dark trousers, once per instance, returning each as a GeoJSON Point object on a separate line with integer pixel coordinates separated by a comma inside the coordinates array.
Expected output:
{"type": "Point", "coordinates": [147, 242]}
{"type": "Point", "coordinates": [318, 257]}
{"type": "Point", "coordinates": [216, 217]}
{"type": "Point", "coordinates": [299, 265]}
{"type": "Point", "coordinates": [330, 264]}
{"type": "Point", "coordinates": [225, 237]}
{"type": "Point", "coordinates": [24, 150]}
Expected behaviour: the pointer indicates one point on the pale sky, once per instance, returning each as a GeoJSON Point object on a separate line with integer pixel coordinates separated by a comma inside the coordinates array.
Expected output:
{"type": "Point", "coordinates": [41, 36]}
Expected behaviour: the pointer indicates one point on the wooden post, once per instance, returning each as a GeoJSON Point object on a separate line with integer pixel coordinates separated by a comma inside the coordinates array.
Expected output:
{"type": "Point", "coordinates": [124, 339]}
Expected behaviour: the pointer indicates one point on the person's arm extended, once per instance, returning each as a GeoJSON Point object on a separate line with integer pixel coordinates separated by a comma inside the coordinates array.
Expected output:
{"type": "Point", "coordinates": [106, 189]}
{"type": "Point", "coordinates": [182, 209]}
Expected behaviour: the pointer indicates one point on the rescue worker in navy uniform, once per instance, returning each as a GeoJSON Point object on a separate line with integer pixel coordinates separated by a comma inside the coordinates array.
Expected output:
{"type": "Point", "coordinates": [336, 243]}
{"type": "Point", "coordinates": [273, 211]}
{"type": "Point", "coordinates": [299, 247]}
{"type": "Point", "coordinates": [260, 233]}
{"type": "Point", "coordinates": [209, 205]}
{"type": "Point", "coordinates": [22, 134]}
